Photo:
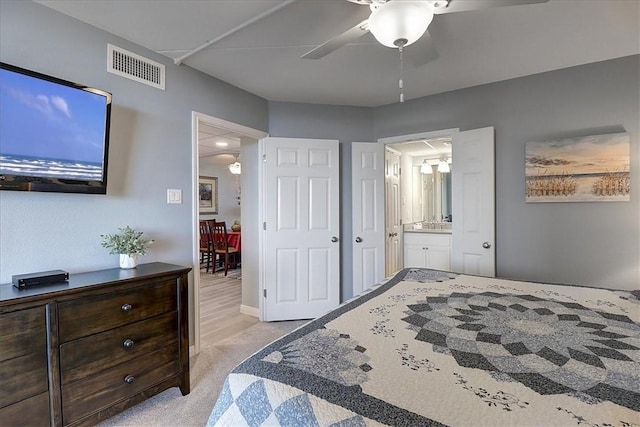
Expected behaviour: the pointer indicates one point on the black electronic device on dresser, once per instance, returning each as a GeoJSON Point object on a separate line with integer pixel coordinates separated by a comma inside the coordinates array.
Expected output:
{"type": "Point", "coordinates": [79, 352]}
{"type": "Point", "coordinates": [22, 281]}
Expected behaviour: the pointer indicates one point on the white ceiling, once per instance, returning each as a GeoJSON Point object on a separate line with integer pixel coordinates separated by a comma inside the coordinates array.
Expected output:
{"type": "Point", "coordinates": [437, 148]}
{"type": "Point", "coordinates": [264, 57]}
{"type": "Point", "coordinates": [216, 145]}
{"type": "Point", "coordinates": [474, 47]}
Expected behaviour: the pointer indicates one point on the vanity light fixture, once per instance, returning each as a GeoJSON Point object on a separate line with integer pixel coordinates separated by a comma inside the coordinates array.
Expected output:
{"type": "Point", "coordinates": [443, 167]}
{"type": "Point", "coordinates": [425, 168]}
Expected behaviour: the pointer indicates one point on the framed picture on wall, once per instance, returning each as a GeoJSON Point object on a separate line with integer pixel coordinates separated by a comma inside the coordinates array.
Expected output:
{"type": "Point", "coordinates": [594, 168]}
{"type": "Point", "coordinates": [208, 194]}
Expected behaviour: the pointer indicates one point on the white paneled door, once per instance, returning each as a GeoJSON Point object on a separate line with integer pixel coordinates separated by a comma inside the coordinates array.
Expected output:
{"type": "Point", "coordinates": [473, 202]}
{"type": "Point", "coordinates": [301, 248]}
{"type": "Point", "coordinates": [367, 184]}
{"type": "Point", "coordinates": [393, 220]}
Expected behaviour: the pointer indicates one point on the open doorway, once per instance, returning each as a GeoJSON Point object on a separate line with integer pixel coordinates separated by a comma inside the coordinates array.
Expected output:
{"type": "Point", "coordinates": [216, 146]}
{"type": "Point", "coordinates": [464, 206]}
{"type": "Point", "coordinates": [412, 195]}
{"type": "Point", "coordinates": [220, 165]}
{"type": "Point", "coordinates": [426, 183]}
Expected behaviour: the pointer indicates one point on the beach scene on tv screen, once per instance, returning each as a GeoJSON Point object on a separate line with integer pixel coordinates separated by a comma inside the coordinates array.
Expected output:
{"type": "Point", "coordinates": [50, 130]}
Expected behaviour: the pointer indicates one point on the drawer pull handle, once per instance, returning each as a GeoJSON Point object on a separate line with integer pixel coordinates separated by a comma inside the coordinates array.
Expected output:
{"type": "Point", "coordinates": [128, 343]}
{"type": "Point", "coordinates": [129, 379]}
{"type": "Point", "coordinates": [126, 307]}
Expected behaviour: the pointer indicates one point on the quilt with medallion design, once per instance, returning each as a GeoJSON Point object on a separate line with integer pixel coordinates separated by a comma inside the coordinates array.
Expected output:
{"type": "Point", "coordinates": [436, 348]}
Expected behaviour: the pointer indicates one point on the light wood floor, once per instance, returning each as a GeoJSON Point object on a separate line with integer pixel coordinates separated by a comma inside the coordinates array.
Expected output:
{"type": "Point", "coordinates": [220, 317]}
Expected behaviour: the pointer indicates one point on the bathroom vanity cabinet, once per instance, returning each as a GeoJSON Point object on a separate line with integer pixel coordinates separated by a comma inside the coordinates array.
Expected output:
{"type": "Point", "coordinates": [427, 249]}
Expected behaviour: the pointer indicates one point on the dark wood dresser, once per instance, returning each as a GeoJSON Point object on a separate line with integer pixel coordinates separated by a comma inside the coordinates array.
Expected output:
{"type": "Point", "coordinates": [79, 352]}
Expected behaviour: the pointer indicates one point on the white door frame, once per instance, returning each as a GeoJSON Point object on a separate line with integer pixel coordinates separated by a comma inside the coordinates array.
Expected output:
{"type": "Point", "coordinates": [196, 118]}
{"type": "Point", "coordinates": [420, 135]}
{"type": "Point", "coordinates": [414, 137]}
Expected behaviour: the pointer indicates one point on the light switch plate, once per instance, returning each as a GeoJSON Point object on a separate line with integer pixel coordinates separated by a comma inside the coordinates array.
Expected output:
{"type": "Point", "coordinates": [174, 196]}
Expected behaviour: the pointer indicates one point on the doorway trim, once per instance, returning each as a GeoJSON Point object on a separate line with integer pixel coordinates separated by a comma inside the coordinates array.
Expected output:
{"type": "Point", "coordinates": [420, 135]}
{"type": "Point", "coordinates": [196, 119]}
{"type": "Point", "coordinates": [408, 138]}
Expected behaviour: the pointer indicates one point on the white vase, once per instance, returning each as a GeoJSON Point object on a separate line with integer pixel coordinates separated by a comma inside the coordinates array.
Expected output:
{"type": "Point", "coordinates": [128, 260]}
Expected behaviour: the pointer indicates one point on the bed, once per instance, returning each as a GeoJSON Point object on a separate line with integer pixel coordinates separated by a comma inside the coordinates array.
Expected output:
{"type": "Point", "coordinates": [428, 347]}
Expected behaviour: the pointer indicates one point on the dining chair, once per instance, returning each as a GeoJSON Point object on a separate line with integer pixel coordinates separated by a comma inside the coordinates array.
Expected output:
{"type": "Point", "coordinates": [206, 246]}
{"type": "Point", "coordinates": [221, 248]}
{"type": "Point", "coordinates": [210, 223]}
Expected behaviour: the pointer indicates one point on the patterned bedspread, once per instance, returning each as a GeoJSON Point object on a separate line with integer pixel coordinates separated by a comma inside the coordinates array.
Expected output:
{"type": "Point", "coordinates": [432, 348]}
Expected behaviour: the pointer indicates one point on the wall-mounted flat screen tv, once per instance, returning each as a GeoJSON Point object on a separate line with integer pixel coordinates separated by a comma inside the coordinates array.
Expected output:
{"type": "Point", "coordinates": [54, 134]}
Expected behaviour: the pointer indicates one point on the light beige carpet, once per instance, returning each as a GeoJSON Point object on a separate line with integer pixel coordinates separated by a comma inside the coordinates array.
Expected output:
{"type": "Point", "coordinates": [208, 371]}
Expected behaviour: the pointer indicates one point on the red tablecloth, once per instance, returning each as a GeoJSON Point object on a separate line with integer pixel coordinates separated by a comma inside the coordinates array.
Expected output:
{"type": "Point", "coordinates": [233, 237]}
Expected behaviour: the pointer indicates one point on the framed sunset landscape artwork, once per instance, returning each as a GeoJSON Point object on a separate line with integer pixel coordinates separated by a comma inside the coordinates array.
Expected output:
{"type": "Point", "coordinates": [593, 168]}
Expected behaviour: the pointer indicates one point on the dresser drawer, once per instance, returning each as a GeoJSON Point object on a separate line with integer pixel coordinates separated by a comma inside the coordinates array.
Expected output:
{"type": "Point", "coordinates": [30, 412]}
{"type": "Point", "coordinates": [86, 356]}
{"type": "Point", "coordinates": [87, 316]}
{"type": "Point", "coordinates": [22, 332]}
{"type": "Point", "coordinates": [23, 377]}
{"type": "Point", "coordinates": [82, 398]}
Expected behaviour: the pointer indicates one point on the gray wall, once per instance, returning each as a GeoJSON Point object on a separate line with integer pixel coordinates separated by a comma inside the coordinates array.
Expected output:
{"type": "Point", "coordinates": [591, 243]}
{"type": "Point", "coordinates": [346, 124]}
{"type": "Point", "coordinates": [595, 244]}
{"type": "Point", "coordinates": [151, 149]}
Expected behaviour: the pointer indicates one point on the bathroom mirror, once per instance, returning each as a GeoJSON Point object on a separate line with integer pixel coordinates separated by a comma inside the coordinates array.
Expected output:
{"type": "Point", "coordinates": [425, 197]}
{"type": "Point", "coordinates": [435, 195]}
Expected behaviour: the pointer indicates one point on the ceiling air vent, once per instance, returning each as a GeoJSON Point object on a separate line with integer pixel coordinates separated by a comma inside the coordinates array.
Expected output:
{"type": "Point", "coordinates": [134, 67]}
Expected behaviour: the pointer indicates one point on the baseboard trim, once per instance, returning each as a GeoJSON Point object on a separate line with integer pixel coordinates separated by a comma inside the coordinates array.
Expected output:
{"type": "Point", "coordinates": [251, 311]}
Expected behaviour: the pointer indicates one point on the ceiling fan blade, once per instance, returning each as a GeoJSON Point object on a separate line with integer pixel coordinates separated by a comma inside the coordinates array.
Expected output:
{"type": "Point", "coordinates": [467, 5]}
{"type": "Point", "coordinates": [422, 51]}
{"type": "Point", "coordinates": [351, 35]}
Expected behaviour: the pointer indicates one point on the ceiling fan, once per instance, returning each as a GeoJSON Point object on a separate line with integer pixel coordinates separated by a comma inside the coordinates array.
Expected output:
{"type": "Point", "coordinates": [400, 23]}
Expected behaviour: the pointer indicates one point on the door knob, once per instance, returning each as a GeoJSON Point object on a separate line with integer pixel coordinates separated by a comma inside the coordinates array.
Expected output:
{"type": "Point", "coordinates": [358, 239]}
{"type": "Point", "coordinates": [334, 239]}
{"type": "Point", "coordinates": [486, 245]}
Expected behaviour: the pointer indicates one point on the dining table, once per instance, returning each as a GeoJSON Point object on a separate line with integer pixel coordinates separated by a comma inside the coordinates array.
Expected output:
{"type": "Point", "coordinates": [234, 239]}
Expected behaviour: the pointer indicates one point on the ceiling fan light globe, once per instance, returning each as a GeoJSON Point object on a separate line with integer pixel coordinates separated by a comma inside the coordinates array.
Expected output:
{"type": "Point", "coordinates": [398, 20]}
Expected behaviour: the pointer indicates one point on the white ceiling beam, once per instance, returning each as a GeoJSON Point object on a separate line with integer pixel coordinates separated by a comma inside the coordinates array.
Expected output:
{"type": "Point", "coordinates": [237, 28]}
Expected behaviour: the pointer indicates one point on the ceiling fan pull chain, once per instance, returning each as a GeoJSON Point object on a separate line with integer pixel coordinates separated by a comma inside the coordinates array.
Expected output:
{"type": "Point", "coordinates": [401, 82]}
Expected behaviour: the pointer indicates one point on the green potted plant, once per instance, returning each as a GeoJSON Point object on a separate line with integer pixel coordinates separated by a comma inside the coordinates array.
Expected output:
{"type": "Point", "coordinates": [128, 243]}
